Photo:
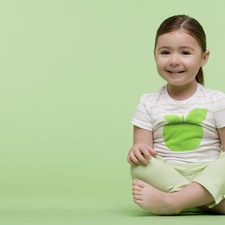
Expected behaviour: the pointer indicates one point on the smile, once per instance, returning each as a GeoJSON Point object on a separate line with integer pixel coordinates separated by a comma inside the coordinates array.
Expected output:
{"type": "Point", "coordinates": [175, 71]}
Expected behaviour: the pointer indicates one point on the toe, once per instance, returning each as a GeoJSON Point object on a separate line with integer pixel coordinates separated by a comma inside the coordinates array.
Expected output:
{"type": "Point", "coordinates": [140, 183]}
{"type": "Point", "coordinates": [136, 188]}
{"type": "Point", "coordinates": [137, 197]}
{"type": "Point", "coordinates": [136, 192]}
{"type": "Point", "coordinates": [134, 182]}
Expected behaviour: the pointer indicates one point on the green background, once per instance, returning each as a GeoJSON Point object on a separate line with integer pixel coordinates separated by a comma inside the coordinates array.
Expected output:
{"type": "Point", "coordinates": [71, 74]}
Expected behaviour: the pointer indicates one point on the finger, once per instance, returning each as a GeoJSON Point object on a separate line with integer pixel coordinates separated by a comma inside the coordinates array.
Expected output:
{"type": "Point", "coordinates": [140, 157]}
{"type": "Point", "coordinates": [145, 152]}
{"type": "Point", "coordinates": [151, 151]}
{"type": "Point", "coordinates": [131, 163]}
{"type": "Point", "coordinates": [132, 159]}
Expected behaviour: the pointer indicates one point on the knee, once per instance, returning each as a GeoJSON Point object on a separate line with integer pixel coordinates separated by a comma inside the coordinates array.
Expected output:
{"type": "Point", "coordinates": [146, 172]}
{"type": "Point", "coordinates": [136, 172]}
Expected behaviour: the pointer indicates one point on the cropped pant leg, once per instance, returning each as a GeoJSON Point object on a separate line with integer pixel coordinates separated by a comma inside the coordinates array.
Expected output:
{"type": "Point", "coordinates": [160, 175]}
{"type": "Point", "coordinates": [172, 177]}
{"type": "Point", "coordinates": [213, 179]}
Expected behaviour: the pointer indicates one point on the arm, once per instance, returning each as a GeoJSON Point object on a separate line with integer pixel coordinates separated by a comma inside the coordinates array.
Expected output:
{"type": "Point", "coordinates": [221, 132]}
{"type": "Point", "coordinates": [142, 136]}
{"type": "Point", "coordinates": [142, 150]}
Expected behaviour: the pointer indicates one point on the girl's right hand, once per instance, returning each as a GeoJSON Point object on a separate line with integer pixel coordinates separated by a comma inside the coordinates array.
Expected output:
{"type": "Point", "coordinates": [140, 154]}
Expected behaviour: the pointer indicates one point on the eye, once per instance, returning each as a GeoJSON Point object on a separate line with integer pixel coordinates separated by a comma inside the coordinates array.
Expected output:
{"type": "Point", "coordinates": [185, 53]}
{"type": "Point", "coordinates": [164, 52]}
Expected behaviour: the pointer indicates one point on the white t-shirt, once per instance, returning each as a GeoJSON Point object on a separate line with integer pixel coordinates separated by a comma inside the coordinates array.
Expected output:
{"type": "Point", "coordinates": [183, 131]}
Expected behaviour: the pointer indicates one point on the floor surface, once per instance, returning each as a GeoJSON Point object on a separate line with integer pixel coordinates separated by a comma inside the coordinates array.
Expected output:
{"type": "Point", "coordinates": [109, 210]}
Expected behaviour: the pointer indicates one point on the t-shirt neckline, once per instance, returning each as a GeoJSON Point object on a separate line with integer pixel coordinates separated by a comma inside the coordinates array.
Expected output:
{"type": "Point", "coordinates": [180, 101]}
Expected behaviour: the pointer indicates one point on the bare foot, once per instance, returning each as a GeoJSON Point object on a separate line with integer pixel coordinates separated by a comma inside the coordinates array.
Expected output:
{"type": "Point", "coordinates": [151, 199]}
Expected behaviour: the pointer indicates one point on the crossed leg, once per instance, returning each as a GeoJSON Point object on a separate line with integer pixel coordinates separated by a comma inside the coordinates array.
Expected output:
{"type": "Point", "coordinates": [172, 193]}
{"type": "Point", "coordinates": [163, 203]}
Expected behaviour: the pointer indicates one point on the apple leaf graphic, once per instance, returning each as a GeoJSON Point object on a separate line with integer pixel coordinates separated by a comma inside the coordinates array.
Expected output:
{"type": "Point", "coordinates": [172, 118]}
{"type": "Point", "coordinates": [197, 115]}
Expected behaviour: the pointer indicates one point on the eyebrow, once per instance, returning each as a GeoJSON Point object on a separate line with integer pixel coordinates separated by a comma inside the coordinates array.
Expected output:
{"type": "Point", "coordinates": [181, 47]}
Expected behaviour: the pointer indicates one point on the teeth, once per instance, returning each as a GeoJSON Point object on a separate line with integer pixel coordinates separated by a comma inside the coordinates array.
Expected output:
{"type": "Point", "coordinates": [175, 71]}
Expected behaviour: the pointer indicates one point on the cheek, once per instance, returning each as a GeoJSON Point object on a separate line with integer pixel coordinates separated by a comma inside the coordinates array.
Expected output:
{"type": "Point", "coordinates": [160, 66]}
{"type": "Point", "coordinates": [194, 65]}
{"type": "Point", "coordinates": [161, 63]}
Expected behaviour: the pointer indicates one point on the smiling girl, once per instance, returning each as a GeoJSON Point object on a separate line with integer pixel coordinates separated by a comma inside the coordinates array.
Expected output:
{"type": "Point", "coordinates": [177, 158]}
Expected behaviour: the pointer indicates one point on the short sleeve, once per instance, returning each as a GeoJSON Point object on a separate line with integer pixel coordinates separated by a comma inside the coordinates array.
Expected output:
{"type": "Point", "coordinates": [142, 116]}
{"type": "Point", "coordinates": [218, 103]}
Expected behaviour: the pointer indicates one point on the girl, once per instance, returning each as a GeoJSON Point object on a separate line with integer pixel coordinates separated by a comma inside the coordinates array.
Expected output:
{"type": "Point", "coordinates": [178, 160]}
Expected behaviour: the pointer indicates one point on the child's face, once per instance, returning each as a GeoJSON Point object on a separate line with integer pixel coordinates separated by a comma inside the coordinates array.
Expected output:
{"type": "Point", "coordinates": [178, 57]}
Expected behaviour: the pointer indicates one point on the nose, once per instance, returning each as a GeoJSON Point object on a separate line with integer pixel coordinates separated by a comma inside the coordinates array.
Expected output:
{"type": "Point", "coordinates": [174, 60]}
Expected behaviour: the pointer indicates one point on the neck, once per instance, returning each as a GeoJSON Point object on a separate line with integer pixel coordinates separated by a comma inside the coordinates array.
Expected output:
{"type": "Point", "coordinates": [181, 92]}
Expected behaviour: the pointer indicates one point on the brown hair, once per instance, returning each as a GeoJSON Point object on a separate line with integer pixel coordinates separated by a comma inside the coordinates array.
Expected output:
{"type": "Point", "coordinates": [189, 25]}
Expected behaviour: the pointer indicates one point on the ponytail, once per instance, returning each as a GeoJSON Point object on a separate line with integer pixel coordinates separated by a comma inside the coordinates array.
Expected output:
{"type": "Point", "coordinates": [199, 77]}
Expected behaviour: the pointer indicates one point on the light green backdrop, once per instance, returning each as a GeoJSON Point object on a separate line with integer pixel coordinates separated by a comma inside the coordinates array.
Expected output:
{"type": "Point", "coordinates": [71, 74]}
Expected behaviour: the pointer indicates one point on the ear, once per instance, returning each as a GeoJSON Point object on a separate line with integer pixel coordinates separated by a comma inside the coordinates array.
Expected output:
{"type": "Point", "coordinates": [154, 54]}
{"type": "Point", "coordinates": [205, 58]}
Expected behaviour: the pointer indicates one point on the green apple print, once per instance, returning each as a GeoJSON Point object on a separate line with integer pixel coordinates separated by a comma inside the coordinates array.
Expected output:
{"type": "Point", "coordinates": [182, 134]}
